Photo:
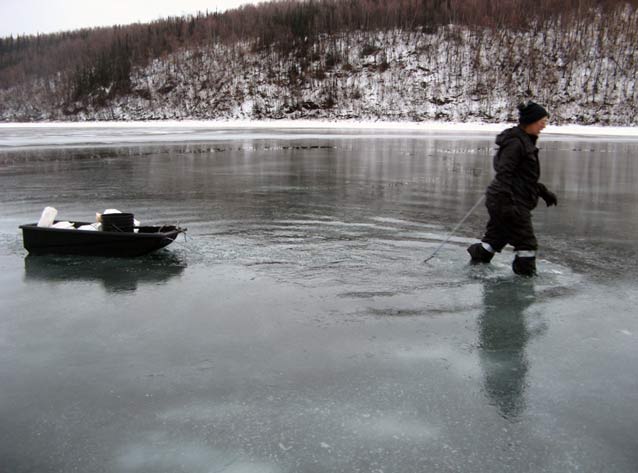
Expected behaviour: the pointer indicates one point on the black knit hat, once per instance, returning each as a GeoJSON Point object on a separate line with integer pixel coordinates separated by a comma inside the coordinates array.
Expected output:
{"type": "Point", "coordinates": [530, 112]}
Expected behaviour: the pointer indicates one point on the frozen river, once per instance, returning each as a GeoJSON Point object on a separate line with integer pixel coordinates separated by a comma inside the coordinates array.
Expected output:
{"type": "Point", "coordinates": [297, 328]}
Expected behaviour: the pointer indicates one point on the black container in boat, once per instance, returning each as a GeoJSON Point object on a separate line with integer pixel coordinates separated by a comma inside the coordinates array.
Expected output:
{"type": "Point", "coordinates": [122, 222]}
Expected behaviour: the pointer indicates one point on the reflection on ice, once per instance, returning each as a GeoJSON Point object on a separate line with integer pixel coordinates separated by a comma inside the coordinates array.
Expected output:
{"type": "Point", "coordinates": [115, 274]}
{"type": "Point", "coordinates": [503, 336]}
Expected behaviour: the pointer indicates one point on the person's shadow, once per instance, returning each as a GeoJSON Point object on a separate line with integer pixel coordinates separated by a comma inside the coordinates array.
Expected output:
{"type": "Point", "coordinates": [503, 335]}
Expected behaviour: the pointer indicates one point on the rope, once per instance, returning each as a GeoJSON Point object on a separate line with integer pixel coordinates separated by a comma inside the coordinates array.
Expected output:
{"type": "Point", "coordinates": [478, 202]}
{"type": "Point", "coordinates": [187, 247]}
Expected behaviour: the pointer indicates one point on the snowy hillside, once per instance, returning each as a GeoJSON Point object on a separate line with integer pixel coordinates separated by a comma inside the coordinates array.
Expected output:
{"type": "Point", "coordinates": [584, 74]}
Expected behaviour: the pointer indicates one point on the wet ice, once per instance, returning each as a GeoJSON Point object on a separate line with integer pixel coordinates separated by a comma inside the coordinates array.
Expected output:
{"type": "Point", "coordinates": [297, 329]}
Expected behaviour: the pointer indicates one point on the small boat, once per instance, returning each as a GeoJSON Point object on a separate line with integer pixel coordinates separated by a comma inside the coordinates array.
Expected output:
{"type": "Point", "coordinates": [62, 241]}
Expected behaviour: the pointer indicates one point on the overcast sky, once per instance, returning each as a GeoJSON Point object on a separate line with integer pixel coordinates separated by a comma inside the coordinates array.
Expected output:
{"type": "Point", "coordinates": [48, 16]}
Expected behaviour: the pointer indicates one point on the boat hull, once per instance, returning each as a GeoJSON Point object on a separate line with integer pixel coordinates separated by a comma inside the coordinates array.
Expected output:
{"type": "Point", "coordinates": [47, 241]}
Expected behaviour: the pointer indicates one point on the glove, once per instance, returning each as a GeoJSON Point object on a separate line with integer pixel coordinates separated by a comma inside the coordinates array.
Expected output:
{"type": "Point", "coordinates": [550, 198]}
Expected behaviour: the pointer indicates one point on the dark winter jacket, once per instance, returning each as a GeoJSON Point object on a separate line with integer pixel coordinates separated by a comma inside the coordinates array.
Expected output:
{"type": "Point", "coordinates": [517, 170]}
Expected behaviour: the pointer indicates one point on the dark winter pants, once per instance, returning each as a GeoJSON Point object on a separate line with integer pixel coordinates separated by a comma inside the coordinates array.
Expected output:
{"type": "Point", "coordinates": [508, 226]}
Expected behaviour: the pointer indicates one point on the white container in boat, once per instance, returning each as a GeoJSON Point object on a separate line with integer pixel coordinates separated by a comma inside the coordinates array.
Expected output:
{"type": "Point", "coordinates": [63, 225]}
{"type": "Point", "coordinates": [47, 217]}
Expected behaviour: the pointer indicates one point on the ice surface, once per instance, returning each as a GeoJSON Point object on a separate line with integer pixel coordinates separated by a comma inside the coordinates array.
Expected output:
{"type": "Point", "coordinates": [297, 329]}
{"type": "Point", "coordinates": [114, 133]}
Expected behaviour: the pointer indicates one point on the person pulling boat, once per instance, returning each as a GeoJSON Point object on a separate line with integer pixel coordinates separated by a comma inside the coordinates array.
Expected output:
{"type": "Point", "coordinates": [514, 192]}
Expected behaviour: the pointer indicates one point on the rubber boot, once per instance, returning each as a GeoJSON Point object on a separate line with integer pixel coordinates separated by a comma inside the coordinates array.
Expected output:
{"type": "Point", "coordinates": [524, 266]}
{"type": "Point", "coordinates": [479, 254]}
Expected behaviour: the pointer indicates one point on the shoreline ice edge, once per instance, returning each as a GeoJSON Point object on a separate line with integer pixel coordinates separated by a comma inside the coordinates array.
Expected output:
{"type": "Point", "coordinates": [582, 130]}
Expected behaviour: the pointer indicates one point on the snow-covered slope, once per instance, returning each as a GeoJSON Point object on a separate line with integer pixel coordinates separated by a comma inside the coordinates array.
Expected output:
{"type": "Point", "coordinates": [584, 75]}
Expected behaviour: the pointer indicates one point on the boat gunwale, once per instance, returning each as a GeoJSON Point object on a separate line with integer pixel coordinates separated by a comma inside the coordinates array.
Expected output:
{"type": "Point", "coordinates": [176, 230]}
